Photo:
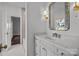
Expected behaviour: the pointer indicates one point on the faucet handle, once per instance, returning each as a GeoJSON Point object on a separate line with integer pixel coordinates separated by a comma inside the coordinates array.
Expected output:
{"type": "Point", "coordinates": [56, 35]}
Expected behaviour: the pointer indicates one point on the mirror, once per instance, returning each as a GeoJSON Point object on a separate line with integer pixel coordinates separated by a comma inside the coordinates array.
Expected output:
{"type": "Point", "coordinates": [59, 16]}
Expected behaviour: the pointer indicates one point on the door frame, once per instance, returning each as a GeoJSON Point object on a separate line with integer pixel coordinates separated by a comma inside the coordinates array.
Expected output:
{"type": "Point", "coordinates": [26, 18]}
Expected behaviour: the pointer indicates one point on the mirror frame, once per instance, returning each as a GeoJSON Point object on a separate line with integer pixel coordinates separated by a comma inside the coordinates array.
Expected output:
{"type": "Point", "coordinates": [67, 17]}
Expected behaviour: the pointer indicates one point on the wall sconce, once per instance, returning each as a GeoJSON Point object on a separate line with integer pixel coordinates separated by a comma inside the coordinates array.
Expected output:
{"type": "Point", "coordinates": [76, 6]}
{"type": "Point", "coordinates": [44, 14]}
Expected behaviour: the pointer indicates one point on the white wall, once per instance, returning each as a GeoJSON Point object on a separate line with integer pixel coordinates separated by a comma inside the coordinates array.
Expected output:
{"type": "Point", "coordinates": [34, 23]}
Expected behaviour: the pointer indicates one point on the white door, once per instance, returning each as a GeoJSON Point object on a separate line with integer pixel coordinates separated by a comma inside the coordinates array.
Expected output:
{"type": "Point", "coordinates": [3, 29]}
{"type": "Point", "coordinates": [9, 32]}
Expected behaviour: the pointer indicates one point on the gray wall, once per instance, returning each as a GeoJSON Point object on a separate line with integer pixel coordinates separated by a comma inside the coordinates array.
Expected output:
{"type": "Point", "coordinates": [34, 24]}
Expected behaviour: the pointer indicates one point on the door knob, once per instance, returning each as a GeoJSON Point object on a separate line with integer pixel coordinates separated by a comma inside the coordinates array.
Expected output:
{"type": "Point", "coordinates": [5, 46]}
{"type": "Point", "coordinates": [0, 46]}
{"type": "Point", "coordinates": [7, 33]}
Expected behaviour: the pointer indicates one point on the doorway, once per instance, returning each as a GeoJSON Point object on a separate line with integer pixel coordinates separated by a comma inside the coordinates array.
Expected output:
{"type": "Point", "coordinates": [15, 30]}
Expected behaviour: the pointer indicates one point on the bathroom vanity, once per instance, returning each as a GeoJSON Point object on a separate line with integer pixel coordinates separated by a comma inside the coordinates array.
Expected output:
{"type": "Point", "coordinates": [57, 41]}
{"type": "Point", "coordinates": [51, 46]}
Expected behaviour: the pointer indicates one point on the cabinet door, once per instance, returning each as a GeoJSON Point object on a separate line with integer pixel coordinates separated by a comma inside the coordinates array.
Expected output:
{"type": "Point", "coordinates": [50, 53]}
{"type": "Point", "coordinates": [47, 49]}
{"type": "Point", "coordinates": [50, 48]}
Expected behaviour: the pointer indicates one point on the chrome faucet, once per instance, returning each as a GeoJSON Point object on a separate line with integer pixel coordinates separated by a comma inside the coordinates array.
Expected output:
{"type": "Point", "coordinates": [56, 35]}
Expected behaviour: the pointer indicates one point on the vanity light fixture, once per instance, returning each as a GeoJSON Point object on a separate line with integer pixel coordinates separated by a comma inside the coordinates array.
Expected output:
{"type": "Point", "coordinates": [76, 6]}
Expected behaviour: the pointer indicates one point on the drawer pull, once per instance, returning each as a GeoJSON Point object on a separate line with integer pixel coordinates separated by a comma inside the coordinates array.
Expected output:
{"type": "Point", "coordinates": [45, 50]}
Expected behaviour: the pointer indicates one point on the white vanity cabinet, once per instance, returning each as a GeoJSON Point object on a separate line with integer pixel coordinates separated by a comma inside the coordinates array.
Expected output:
{"type": "Point", "coordinates": [43, 48]}
{"type": "Point", "coordinates": [46, 47]}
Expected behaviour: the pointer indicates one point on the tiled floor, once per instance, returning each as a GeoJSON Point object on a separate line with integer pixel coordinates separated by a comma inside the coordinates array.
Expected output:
{"type": "Point", "coordinates": [15, 50]}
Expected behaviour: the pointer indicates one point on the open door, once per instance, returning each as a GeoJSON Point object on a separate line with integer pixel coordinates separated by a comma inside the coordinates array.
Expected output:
{"type": "Point", "coordinates": [2, 30]}
{"type": "Point", "coordinates": [15, 30]}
